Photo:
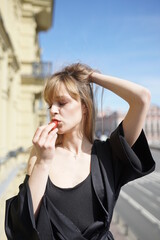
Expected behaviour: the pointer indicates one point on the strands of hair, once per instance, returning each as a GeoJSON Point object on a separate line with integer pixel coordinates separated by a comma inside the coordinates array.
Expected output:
{"type": "Point", "coordinates": [102, 93]}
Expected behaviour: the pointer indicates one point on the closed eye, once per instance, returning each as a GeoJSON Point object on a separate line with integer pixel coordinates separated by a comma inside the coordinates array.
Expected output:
{"type": "Point", "coordinates": [59, 103]}
{"type": "Point", "coordinates": [62, 103]}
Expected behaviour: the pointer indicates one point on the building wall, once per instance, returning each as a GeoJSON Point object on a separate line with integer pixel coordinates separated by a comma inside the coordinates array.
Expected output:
{"type": "Point", "coordinates": [151, 127]}
{"type": "Point", "coordinates": [108, 122]}
{"type": "Point", "coordinates": [20, 23]}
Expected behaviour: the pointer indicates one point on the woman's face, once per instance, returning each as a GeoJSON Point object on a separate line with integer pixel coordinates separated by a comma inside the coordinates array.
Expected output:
{"type": "Point", "coordinates": [67, 111]}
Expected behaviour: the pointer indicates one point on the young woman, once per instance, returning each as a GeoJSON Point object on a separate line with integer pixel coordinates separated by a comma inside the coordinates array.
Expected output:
{"type": "Point", "coordinates": [73, 181]}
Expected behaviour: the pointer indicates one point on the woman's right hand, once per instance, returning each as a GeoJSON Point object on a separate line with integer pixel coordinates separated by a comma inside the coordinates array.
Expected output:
{"type": "Point", "coordinates": [44, 143]}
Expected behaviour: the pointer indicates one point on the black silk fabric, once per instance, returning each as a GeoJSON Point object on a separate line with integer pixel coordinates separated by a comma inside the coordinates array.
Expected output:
{"type": "Point", "coordinates": [113, 164]}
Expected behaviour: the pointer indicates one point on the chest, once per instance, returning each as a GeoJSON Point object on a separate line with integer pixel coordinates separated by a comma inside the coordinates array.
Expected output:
{"type": "Point", "coordinates": [68, 171]}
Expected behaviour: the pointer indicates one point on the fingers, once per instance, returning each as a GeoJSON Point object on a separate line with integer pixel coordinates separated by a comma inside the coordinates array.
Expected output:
{"type": "Point", "coordinates": [51, 139]}
{"type": "Point", "coordinates": [43, 132]}
{"type": "Point", "coordinates": [90, 76]}
{"type": "Point", "coordinates": [37, 134]}
{"type": "Point", "coordinates": [47, 130]}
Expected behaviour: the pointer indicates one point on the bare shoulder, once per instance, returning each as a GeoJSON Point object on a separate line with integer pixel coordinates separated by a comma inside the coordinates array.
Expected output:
{"type": "Point", "coordinates": [31, 161]}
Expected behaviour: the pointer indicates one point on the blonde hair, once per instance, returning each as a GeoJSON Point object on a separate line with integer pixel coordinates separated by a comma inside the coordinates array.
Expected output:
{"type": "Point", "coordinates": [76, 78]}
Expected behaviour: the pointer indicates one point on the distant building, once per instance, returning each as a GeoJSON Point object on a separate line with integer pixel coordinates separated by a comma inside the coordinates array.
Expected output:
{"type": "Point", "coordinates": [152, 125]}
{"type": "Point", "coordinates": [22, 73]}
{"type": "Point", "coordinates": [106, 123]}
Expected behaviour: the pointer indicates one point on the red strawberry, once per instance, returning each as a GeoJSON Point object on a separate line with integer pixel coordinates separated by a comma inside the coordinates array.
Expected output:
{"type": "Point", "coordinates": [56, 124]}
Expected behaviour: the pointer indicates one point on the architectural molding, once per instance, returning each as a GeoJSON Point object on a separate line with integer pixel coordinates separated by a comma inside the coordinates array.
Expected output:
{"type": "Point", "coordinates": [7, 45]}
{"type": "Point", "coordinates": [42, 10]}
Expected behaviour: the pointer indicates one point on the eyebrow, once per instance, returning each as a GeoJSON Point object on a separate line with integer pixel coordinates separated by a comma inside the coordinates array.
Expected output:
{"type": "Point", "coordinates": [62, 97]}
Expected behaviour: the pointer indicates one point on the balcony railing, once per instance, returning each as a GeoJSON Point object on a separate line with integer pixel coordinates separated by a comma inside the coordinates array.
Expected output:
{"type": "Point", "coordinates": [41, 69]}
{"type": "Point", "coordinates": [12, 153]}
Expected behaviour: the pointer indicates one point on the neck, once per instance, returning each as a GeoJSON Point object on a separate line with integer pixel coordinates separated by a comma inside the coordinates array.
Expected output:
{"type": "Point", "coordinates": [76, 143]}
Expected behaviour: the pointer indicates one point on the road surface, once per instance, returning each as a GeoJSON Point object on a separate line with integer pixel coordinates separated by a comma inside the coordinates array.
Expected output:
{"type": "Point", "coordinates": [139, 204]}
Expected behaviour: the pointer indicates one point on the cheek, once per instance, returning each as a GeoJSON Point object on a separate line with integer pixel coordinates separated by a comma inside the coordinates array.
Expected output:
{"type": "Point", "coordinates": [76, 110]}
{"type": "Point", "coordinates": [71, 117]}
{"type": "Point", "coordinates": [73, 113]}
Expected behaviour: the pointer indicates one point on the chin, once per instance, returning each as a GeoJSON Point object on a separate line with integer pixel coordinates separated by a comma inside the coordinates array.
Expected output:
{"type": "Point", "coordinates": [61, 131]}
{"type": "Point", "coordinates": [67, 129]}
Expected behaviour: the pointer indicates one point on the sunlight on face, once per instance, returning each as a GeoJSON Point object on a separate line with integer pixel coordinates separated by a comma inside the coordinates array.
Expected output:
{"type": "Point", "coordinates": [67, 110]}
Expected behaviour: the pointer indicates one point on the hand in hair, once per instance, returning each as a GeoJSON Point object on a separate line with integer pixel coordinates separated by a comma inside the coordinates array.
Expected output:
{"type": "Point", "coordinates": [80, 72]}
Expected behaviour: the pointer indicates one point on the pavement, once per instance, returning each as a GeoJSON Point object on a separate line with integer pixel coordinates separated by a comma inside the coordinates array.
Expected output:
{"type": "Point", "coordinates": [115, 229]}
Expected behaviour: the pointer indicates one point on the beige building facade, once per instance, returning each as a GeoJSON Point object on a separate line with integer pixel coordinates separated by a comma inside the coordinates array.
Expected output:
{"type": "Point", "coordinates": [22, 73]}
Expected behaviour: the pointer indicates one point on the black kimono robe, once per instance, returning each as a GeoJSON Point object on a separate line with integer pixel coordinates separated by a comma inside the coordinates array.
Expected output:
{"type": "Point", "coordinates": [113, 164]}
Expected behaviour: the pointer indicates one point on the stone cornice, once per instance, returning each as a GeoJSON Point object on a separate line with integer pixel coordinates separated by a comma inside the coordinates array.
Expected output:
{"type": "Point", "coordinates": [41, 10]}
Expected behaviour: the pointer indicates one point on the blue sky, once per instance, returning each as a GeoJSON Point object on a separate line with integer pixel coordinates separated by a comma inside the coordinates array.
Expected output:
{"type": "Point", "coordinates": [119, 37]}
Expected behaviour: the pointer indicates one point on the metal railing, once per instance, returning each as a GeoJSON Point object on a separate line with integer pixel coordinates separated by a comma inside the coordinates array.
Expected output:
{"type": "Point", "coordinates": [10, 154]}
{"type": "Point", "coordinates": [41, 69]}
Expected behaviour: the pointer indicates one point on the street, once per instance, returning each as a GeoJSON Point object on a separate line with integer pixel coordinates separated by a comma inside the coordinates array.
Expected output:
{"type": "Point", "coordinates": [139, 204]}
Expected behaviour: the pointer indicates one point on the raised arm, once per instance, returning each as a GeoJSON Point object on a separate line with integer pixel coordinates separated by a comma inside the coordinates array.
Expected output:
{"type": "Point", "coordinates": [138, 98]}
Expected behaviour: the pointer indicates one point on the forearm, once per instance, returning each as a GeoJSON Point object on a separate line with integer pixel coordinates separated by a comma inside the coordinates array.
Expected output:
{"type": "Point", "coordinates": [129, 91]}
{"type": "Point", "coordinates": [37, 183]}
{"type": "Point", "coordinates": [137, 97]}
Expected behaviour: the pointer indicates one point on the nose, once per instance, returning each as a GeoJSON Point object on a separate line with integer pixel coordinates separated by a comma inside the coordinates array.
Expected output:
{"type": "Point", "coordinates": [54, 109]}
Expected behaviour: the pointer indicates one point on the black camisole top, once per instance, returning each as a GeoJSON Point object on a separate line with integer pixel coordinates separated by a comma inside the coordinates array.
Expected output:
{"type": "Point", "coordinates": [79, 203]}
